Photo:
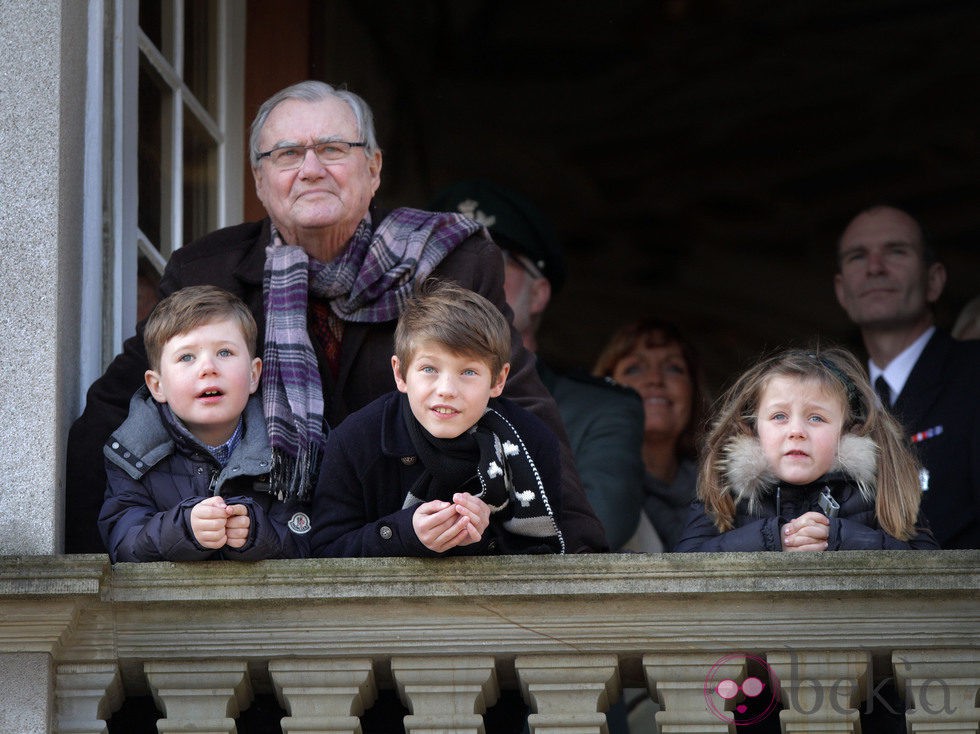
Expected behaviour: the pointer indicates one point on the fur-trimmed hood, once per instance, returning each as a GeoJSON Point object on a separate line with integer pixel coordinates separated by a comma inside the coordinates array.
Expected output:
{"type": "Point", "coordinates": [747, 475]}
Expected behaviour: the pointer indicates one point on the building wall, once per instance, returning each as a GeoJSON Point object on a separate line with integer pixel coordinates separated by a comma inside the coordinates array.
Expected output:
{"type": "Point", "coordinates": [42, 91]}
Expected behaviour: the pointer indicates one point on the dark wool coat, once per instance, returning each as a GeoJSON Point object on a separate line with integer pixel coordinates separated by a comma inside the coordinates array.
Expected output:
{"type": "Point", "coordinates": [768, 504]}
{"type": "Point", "coordinates": [153, 485]}
{"type": "Point", "coordinates": [233, 258]}
{"type": "Point", "coordinates": [370, 464]}
{"type": "Point", "coordinates": [943, 392]}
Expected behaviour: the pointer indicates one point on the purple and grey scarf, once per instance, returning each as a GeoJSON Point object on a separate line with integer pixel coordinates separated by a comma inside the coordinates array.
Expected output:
{"type": "Point", "coordinates": [370, 281]}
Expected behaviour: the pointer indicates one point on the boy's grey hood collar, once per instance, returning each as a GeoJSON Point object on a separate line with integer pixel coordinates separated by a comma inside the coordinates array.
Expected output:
{"type": "Point", "coordinates": [747, 475]}
{"type": "Point", "coordinates": [142, 441]}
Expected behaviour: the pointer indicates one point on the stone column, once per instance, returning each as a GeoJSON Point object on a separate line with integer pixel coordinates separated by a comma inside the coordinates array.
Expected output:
{"type": "Point", "coordinates": [199, 696]}
{"type": "Point", "coordinates": [941, 689]}
{"type": "Point", "coordinates": [43, 48]}
{"type": "Point", "coordinates": [87, 695]}
{"type": "Point", "coordinates": [41, 600]}
{"type": "Point", "coordinates": [568, 693]}
{"type": "Point", "coordinates": [685, 684]}
{"type": "Point", "coordinates": [821, 690]}
{"type": "Point", "coordinates": [446, 695]}
{"type": "Point", "coordinates": [323, 695]}
{"type": "Point", "coordinates": [26, 704]}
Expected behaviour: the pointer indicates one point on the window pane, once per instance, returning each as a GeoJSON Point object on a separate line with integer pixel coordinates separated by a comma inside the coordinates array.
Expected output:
{"type": "Point", "coordinates": [151, 159]}
{"type": "Point", "coordinates": [200, 50]}
{"type": "Point", "coordinates": [156, 22]}
{"type": "Point", "coordinates": [147, 280]}
{"type": "Point", "coordinates": [200, 178]}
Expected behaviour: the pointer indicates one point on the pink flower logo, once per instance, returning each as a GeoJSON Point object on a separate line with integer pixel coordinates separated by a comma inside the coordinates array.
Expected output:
{"type": "Point", "coordinates": [725, 695]}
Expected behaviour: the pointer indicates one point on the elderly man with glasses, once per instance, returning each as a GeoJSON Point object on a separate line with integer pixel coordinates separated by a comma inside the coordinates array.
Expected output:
{"type": "Point", "coordinates": [325, 274]}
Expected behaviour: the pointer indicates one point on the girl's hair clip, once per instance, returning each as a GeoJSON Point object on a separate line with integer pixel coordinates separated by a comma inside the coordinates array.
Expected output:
{"type": "Point", "coordinates": [854, 401]}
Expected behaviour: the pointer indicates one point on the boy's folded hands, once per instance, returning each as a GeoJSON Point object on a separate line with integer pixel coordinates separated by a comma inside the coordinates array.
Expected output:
{"type": "Point", "coordinates": [444, 525]}
{"type": "Point", "coordinates": [216, 524]}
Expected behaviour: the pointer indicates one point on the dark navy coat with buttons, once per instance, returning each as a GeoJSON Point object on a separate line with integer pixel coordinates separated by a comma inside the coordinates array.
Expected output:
{"type": "Point", "coordinates": [368, 468]}
{"type": "Point", "coordinates": [153, 485]}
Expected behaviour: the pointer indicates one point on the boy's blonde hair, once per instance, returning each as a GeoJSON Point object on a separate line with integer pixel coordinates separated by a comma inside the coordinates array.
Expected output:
{"type": "Point", "coordinates": [897, 493]}
{"type": "Point", "coordinates": [457, 319]}
{"type": "Point", "coordinates": [189, 308]}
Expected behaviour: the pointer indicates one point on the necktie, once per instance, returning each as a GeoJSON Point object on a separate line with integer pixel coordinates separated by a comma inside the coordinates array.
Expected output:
{"type": "Point", "coordinates": [884, 392]}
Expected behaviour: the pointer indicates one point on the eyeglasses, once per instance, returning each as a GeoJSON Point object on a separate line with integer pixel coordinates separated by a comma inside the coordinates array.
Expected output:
{"type": "Point", "coordinates": [292, 156]}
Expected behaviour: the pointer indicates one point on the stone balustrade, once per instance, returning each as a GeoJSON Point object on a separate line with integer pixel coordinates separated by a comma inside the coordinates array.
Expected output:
{"type": "Point", "coordinates": [815, 633]}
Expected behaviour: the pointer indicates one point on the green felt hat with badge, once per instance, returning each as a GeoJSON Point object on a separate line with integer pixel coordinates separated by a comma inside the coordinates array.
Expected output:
{"type": "Point", "coordinates": [514, 223]}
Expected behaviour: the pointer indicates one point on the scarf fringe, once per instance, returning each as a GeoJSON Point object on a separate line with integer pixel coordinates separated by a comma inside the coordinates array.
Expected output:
{"type": "Point", "coordinates": [292, 477]}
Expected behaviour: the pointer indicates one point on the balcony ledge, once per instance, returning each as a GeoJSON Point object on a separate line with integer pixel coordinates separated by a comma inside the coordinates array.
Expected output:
{"type": "Point", "coordinates": [582, 623]}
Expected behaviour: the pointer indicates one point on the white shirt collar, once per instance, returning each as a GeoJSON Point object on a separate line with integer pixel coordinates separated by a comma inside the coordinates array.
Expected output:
{"type": "Point", "coordinates": [898, 370]}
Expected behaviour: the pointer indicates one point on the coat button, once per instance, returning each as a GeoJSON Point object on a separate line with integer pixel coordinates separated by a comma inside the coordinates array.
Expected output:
{"type": "Point", "coordinates": [385, 532]}
{"type": "Point", "coordinates": [409, 460]}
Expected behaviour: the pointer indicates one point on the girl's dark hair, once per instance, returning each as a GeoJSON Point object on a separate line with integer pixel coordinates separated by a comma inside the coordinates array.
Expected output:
{"type": "Point", "coordinates": [653, 332]}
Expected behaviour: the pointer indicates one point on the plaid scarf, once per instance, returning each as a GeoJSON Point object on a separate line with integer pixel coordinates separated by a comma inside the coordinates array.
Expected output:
{"type": "Point", "coordinates": [490, 461]}
{"type": "Point", "coordinates": [370, 281]}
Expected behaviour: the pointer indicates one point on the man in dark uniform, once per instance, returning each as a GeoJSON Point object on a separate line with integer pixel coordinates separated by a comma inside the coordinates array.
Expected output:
{"type": "Point", "coordinates": [888, 278]}
{"type": "Point", "coordinates": [604, 422]}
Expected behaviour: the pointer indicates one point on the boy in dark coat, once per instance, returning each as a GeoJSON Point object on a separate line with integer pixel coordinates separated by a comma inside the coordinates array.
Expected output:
{"type": "Point", "coordinates": [188, 471]}
{"type": "Point", "coordinates": [442, 466]}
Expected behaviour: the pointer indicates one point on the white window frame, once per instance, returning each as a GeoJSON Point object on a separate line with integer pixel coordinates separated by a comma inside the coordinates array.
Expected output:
{"type": "Point", "coordinates": [112, 239]}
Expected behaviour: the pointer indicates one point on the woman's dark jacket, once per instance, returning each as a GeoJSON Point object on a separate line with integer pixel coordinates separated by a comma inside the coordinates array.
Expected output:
{"type": "Point", "coordinates": [667, 505]}
{"type": "Point", "coordinates": [154, 482]}
{"type": "Point", "coordinates": [233, 258]}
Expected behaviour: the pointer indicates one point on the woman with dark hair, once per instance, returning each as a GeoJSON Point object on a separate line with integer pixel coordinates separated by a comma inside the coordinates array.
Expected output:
{"type": "Point", "coordinates": [656, 360]}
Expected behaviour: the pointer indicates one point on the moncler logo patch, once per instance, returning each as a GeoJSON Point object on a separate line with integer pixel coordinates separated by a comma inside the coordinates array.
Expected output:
{"type": "Point", "coordinates": [299, 523]}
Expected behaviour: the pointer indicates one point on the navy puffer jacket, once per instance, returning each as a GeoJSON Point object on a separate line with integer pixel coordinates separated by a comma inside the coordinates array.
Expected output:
{"type": "Point", "coordinates": [152, 487]}
{"type": "Point", "coordinates": [769, 504]}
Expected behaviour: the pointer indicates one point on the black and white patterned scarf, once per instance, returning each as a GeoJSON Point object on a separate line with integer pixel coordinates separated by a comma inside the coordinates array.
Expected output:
{"type": "Point", "coordinates": [370, 281]}
{"type": "Point", "coordinates": [490, 461]}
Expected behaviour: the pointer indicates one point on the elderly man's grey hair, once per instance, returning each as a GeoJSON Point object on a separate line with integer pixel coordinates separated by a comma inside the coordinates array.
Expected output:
{"type": "Point", "coordinates": [314, 91]}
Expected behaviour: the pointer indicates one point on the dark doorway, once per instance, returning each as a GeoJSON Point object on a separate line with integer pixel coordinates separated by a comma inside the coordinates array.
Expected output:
{"type": "Point", "coordinates": [698, 158]}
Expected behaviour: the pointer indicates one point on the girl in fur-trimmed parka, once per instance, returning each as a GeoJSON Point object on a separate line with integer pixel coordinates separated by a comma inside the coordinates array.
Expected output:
{"type": "Point", "coordinates": [801, 457]}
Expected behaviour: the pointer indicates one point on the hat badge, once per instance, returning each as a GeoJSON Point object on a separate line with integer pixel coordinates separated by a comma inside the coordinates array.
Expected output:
{"type": "Point", "coordinates": [468, 208]}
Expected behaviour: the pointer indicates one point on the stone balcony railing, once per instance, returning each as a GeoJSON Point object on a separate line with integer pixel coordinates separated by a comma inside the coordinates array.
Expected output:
{"type": "Point", "coordinates": [448, 635]}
